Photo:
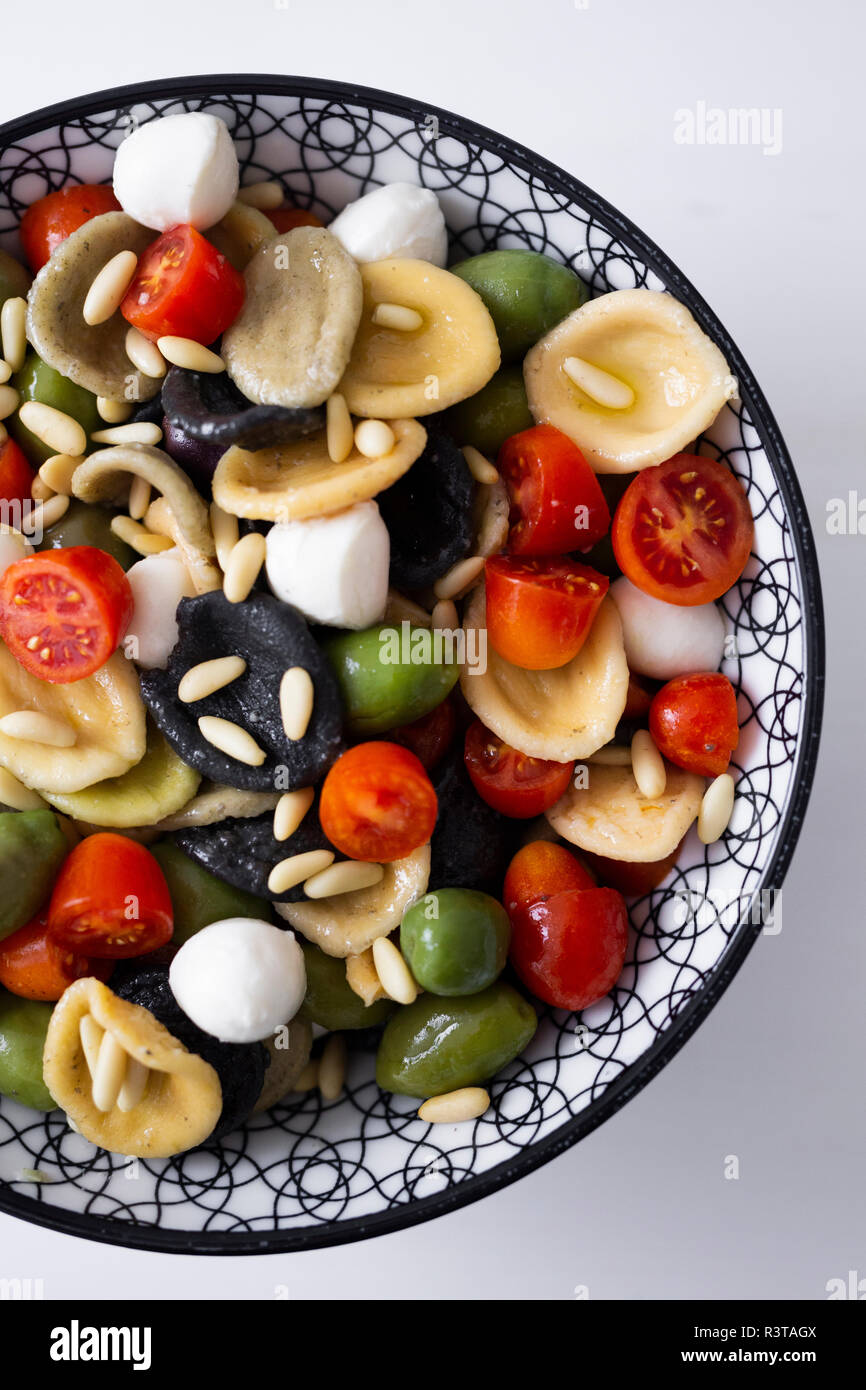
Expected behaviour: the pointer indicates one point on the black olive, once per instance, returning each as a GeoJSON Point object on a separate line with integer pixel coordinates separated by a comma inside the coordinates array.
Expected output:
{"type": "Point", "coordinates": [271, 637]}
{"type": "Point", "coordinates": [242, 850]}
{"type": "Point", "coordinates": [239, 1066]}
{"type": "Point", "coordinates": [198, 460]}
{"type": "Point", "coordinates": [207, 406]}
{"type": "Point", "coordinates": [472, 843]}
{"type": "Point", "coordinates": [428, 513]}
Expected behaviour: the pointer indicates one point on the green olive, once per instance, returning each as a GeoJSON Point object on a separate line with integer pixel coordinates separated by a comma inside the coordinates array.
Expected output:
{"type": "Point", "coordinates": [388, 676]}
{"type": "Point", "coordinates": [199, 898]}
{"type": "Point", "coordinates": [526, 293]}
{"type": "Point", "coordinates": [23, 1026]}
{"type": "Point", "coordinates": [84, 523]}
{"type": "Point", "coordinates": [493, 414]}
{"type": "Point", "coordinates": [36, 381]}
{"type": "Point", "coordinates": [330, 1001]}
{"type": "Point", "coordinates": [455, 941]}
{"type": "Point", "coordinates": [438, 1045]}
{"type": "Point", "coordinates": [32, 848]}
{"type": "Point", "coordinates": [14, 279]}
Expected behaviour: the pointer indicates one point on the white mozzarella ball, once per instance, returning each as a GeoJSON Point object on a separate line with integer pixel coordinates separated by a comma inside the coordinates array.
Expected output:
{"type": "Point", "coordinates": [333, 568]}
{"type": "Point", "coordinates": [177, 169]}
{"type": "Point", "coordinates": [158, 582]}
{"type": "Point", "coordinates": [239, 979]}
{"type": "Point", "coordinates": [663, 640]}
{"type": "Point", "coordinates": [400, 221]}
{"type": "Point", "coordinates": [13, 546]}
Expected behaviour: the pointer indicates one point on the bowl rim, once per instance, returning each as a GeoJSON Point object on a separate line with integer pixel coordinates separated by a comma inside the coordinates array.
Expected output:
{"type": "Point", "coordinates": [651, 1062]}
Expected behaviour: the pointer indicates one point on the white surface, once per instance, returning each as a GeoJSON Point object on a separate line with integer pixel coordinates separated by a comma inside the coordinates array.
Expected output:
{"type": "Point", "coordinates": [642, 1208]}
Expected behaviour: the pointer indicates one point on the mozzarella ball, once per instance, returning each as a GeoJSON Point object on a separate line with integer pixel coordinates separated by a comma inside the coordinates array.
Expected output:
{"type": "Point", "coordinates": [13, 546]}
{"type": "Point", "coordinates": [177, 169]}
{"type": "Point", "coordinates": [400, 221]}
{"type": "Point", "coordinates": [333, 568]}
{"type": "Point", "coordinates": [239, 979]}
{"type": "Point", "coordinates": [158, 583]}
{"type": "Point", "coordinates": [663, 640]}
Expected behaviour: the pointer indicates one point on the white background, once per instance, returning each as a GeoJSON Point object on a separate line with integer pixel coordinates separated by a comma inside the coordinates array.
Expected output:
{"type": "Point", "coordinates": [641, 1208]}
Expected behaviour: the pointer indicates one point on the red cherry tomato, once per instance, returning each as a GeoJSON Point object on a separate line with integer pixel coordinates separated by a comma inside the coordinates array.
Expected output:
{"type": "Point", "coordinates": [287, 219]}
{"type": "Point", "coordinates": [183, 287]}
{"type": "Point", "coordinates": [682, 531]}
{"type": "Point", "coordinates": [53, 218]}
{"type": "Point", "coordinates": [378, 804]}
{"type": "Point", "coordinates": [16, 475]}
{"type": "Point", "coordinates": [557, 504]}
{"type": "Point", "coordinates": [638, 699]}
{"type": "Point", "coordinates": [111, 900]}
{"type": "Point", "coordinates": [429, 737]}
{"type": "Point", "coordinates": [539, 611]}
{"type": "Point", "coordinates": [33, 966]}
{"type": "Point", "coordinates": [632, 879]}
{"type": "Point", "coordinates": [63, 612]}
{"type": "Point", "coordinates": [569, 949]}
{"type": "Point", "coordinates": [693, 722]}
{"type": "Point", "coordinates": [509, 781]}
{"type": "Point", "coordinates": [539, 871]}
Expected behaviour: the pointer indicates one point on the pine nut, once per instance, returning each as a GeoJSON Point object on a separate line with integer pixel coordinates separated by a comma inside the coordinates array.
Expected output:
{"type": "Point", "coordinates": [34, 727]}
{"type": "Point", "coordinates": [114, 412]}
{"type": "Point", "coordinates": [105, 294]}
{"type": "Point", "coordinates": [611, 755]}
{"type": "Point", "coordinates": [242, 567]}
{"type": "Point", "coordinates": [394, 973]}
{"type": "Point", "coordinates": [58, 470]}
{"type": "Point", "coordinates": [139, 497]}
{"type": "Point", "coordinates": [349, 876]}
{"type": "Point", "coordinates": [397, 316]}
{"type": "Point", "coordinates": [139, 432]}
{"type": "Point", "coordinates": [338, 432]}
{"type": "Point", "coordinates": [14, 794]}
{"type": "Point", "coordinates": [45, 514]}
{"type": "Point", "coordinates": [444, 616]}
{"type": "Point", "coordinates": [5, 371]}
{"type": "Point", "coordinates": [91, 1035]}
{"type": "Point", "coordinates": [455, 1106]}
{"type": "Point", "coordinates": [374, 439]}
{"type": "Point", "coordinates": [598, 384]}
{"type": "Point", "coordinates": [54, 428]}
{"type": "Point", "coordinates": [134, 1085]}
{"type": "Point", "coordinates": [297, 696]}
{"type": "Point", "coordinates": [716, 808]}
{"type": "Point", "coordinates": [224, 527]}
{"type": "Point", "coordinates": [307, 1079]}
{"type": "Point", "coordinates": [647, 765]}
{"type": "Point", "coordinates": [482, 471]}
{"type": "Point", "coordinates": [144, 541]}
{"type": "Point", "coordinates": [460, 577]}
{"type": "Point", "coordinates": [13, 332]}
{"type": "Point", "coordinates": [192, 356]}
{"type": "Point", "coordinates": [297, 868]}
{"type": "Point", "coordinates": [290, 811]}
{"type": "Point", "coordinates": [332, 1067]}
{"type": "Point", "coordinates": [110, 1073]}
{"type": "Point", "coordinates": [9, 399]}
{"type": "Point", "coordinates": [265, 195]}
{"type": "Point", "coordinates": [209, 676]}
{"type": "Point", "coordinates": [144, 354]}
{"type": "Point", "coordinates": [40, 491]}
{"type": "Point", "coordinates": [232, 740]}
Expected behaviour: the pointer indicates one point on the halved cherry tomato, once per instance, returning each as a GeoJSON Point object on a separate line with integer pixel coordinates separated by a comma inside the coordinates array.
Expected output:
{"type": "Point", "coordinates": [287, 219]}
{"type": "Point", "coordinates": [539, 611]}
{"type": "Point", "coordinates": [510, 781]}
{"type": "Point", "coordinates": [16, 475]}
{"type": "Point", "coordinates": [682, 531]}
{"type": "Point", "coordinates": [539, 871]}
{"type": "Point", "coordinates": [111, 900]}
{"type": "Point", "coordinates": [693, 722]}
{"type": "Point", "coordinates": [34, 966]}
{"type": "Point", "coordinates": [569, 949]}
{"type": "Point", "coordinates": [557, 504]}
{"type": "Point", "coordinates": [632, 879]}
{"type": "Point", "coordinates": [53, 218]}
{"type": "Point", "coordinates": [429, 737]}
{"type": "Point", "coordinates": [183, 287]}
{"type": "Point", "coordinates": [378, 804]}
{"type": "Point", "coordinates": [63, 612]}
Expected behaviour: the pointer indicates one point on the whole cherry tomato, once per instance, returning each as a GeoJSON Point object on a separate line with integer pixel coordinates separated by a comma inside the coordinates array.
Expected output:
{"type": "Point", "coordinates": [183, 287]}
{"type": "Point", "coordinates": [110, 900]}
{"type": "Point", "coordinates": [569, 949]}
{"type": "Point", "coordinates": [540, 611]}
{"type": "Point", "coordinates": [377, 803]}
{"type": "Point", "coordinates": [632, 879]}
{"type": "Point", "coordinates": [287, 219]}
{"type": "Point", "coordinates": [557, 504]}
{"type": "Point", "coordinates": [429, 737]}
{"type": "Point", "coordinates": [693, 722]}
{"type": "Point", "coordinates": [53, 218]}
{"type": "Point", "coordinates": [540, 870]}
{"type": "Point", "coordinates": [509, 781]}
{"type": "Point", "coordinates": [16, 475]}
{"type": "Point", "coordinates": [34, 966]}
